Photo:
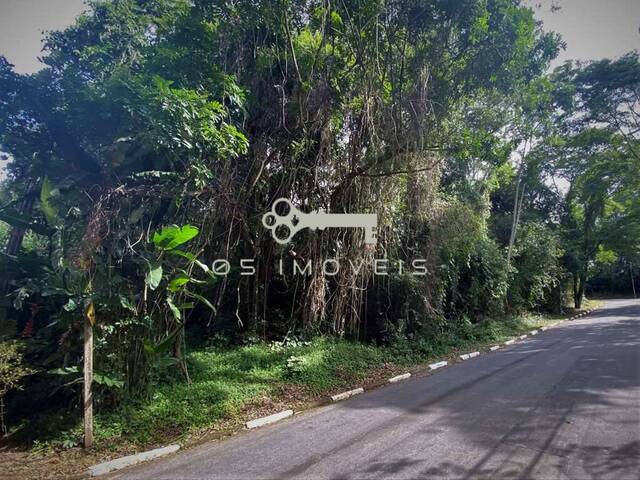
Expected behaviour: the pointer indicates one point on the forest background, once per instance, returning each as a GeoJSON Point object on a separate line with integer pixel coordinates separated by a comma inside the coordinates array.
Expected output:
{"type": "Point", "coordinates": [161, 131]}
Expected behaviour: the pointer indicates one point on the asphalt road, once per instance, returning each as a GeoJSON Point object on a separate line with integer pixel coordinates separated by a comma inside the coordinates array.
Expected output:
{"type": "Point", "coordinates": [562, 404]}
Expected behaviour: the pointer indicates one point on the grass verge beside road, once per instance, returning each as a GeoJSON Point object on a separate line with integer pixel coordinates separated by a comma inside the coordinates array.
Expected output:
{"type": "Point", "coordinates": [233, 385]}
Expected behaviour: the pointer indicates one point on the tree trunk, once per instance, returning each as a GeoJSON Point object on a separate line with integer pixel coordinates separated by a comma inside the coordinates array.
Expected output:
{"type": "Point", "coordinates": [88, 380]}
{"type": "Point", "coordinates": [517, 208]}
{"type": "Point", "coordinates": [179, 354]}
{"type": "Point", "coordinates": [579, 282]}
{"type": "Point", "coordinates": [514, 221]}
{"type": "Point", "coordinates": [3, 427]}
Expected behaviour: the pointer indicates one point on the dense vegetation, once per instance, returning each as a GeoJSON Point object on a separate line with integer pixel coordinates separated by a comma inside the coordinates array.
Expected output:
{"type": "Point", "coordinates": [161, 131]}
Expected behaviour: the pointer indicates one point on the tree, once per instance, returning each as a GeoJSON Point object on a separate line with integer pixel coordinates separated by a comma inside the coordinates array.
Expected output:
{"type": "Point", "coordinates": [173, 113]}
{"type": "Point", "coordinates": [597, 155]}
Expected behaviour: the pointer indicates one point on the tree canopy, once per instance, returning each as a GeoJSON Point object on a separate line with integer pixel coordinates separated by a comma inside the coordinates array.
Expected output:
{"type": "Point", "coordinates": [159, 133]}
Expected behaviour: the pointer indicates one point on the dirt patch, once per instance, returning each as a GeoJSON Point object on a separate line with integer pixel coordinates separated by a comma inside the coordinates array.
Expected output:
{"type": "Point", "coordinates": [68, 464]}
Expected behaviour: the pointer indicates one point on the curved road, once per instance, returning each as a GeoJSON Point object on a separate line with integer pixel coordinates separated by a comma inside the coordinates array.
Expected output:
{"type": "Point", "coordinates": [563, 404]}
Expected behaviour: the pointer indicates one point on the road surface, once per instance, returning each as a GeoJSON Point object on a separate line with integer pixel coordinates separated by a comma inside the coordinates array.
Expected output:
{"type": "Point", "coordinates": [562, 404]}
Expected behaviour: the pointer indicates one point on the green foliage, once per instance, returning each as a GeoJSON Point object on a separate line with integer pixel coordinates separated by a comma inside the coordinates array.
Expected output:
{"type": "Point", "coordinates": [537, 268]}
{"type": "Point", "coordinates": [12, 368]}
{"type": "Point", "coordinates": [12, 372]}
{"type": "Point", "coordinates": [18, 220]}
{"type": "Point", "coordinates": [161, 131]}
{"type": "Point", "coordinates": [171, 237]}
{"type": "Point", "coordinates": [99, 378]}
{"type": "Point", "coordinates": [224, 382]}
{"type": "Point", "coordinates": [485, 281]}
{"type": "Point", "coordinates": [47, 193]}
{"type": "Point", "coordinates": [295, 365]}
{"type": "Point", "coordinates": [598, 156]}
{"type": "Point", "coordinates": [4, 234]}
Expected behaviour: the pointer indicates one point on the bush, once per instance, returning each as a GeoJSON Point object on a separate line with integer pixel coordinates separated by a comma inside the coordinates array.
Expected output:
{"type": "Point", "coordinates": [478, 283]}
{"type": "Point", "coordinates": [12, 371]}
{"type": "Point", "coordinates": [536, 278]}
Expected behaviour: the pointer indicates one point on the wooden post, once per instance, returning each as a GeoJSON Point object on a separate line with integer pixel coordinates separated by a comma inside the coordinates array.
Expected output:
{"type": "Point", "coordinates": [88, 376]}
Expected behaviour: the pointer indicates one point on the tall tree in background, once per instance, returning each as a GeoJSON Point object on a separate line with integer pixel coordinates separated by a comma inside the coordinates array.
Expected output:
{"type": "Point", "coordinates": [161, 131]}
{"type": "Point", "coordinates": [532, 121]}
{"type": "Point", "coordinates": [598, 155]}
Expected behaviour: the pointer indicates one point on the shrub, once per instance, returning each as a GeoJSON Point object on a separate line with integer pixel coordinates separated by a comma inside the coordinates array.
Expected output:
{"type": "Point", "coordinates": [536, 270]}
{"type": "Point", "coordinates": [12, 371]}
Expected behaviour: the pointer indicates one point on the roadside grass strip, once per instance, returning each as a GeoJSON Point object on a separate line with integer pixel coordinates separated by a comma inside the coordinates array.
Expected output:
{"type": "Point", "coordinates": [124, 462]}
{"type": "Point", "coordinates": [399, 378]}
{"type": "Point", "coordinates": [435, 366]}
{"type": "Point", "coordinates": [467, 356]}
{"type": "Point", "coordinates": [347, 394]}
{"type": "Point", "coordinates": [120, 463]}
{"type": "Point", "coordinates": [259, 422]}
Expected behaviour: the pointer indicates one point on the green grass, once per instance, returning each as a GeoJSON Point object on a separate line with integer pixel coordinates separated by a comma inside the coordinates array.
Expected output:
{"type": "Point", "coordinates": [226, 381]}
{"type": "Point", "coordinates": [223, 382]}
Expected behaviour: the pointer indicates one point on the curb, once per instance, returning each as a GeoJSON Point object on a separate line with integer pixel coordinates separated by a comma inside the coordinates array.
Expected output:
{"type": "Point", "coordinates": [259, 422]}
{"type": "Point", "coordinates": [347, 394]}
{"type": "Point", "coordinates": [123, 462]}
{"type": "Point", "coordinates": [467, 356]}
{"type": "Point", "coordinates": [399, 378]}
{"type": "Point", "coordinates": [582, 314]}
{"type": "Point", "coordinates": [435, 366]}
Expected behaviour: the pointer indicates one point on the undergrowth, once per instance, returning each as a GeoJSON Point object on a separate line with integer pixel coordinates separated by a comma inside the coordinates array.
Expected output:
{"type": "Point", "coordinates": [224, 382]}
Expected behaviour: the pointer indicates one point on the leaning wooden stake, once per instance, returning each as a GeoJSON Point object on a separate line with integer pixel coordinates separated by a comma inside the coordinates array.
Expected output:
{"type": "Point", "coordinates": [88, 374]}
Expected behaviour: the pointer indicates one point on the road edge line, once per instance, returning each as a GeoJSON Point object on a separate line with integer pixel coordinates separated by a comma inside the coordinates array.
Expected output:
{"type": "Point", "coordinates": [344, 395]}
{"type": "Point", "coordinates": [259, 422]}
{"type": "Point", "coordinates": [437, 365]}
{"type": "Point", "coordinates": [124, 462]}
{"type": "Point", "coordinates": [399, 378]}
{"type": "Point", "coordinates": [467, 356]}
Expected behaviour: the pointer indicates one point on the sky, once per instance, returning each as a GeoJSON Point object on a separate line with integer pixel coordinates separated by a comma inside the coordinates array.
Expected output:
{"type": "Point", "coordinates": [22, 23]}
{"type": "Point", "coordinates": [592, 29]}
